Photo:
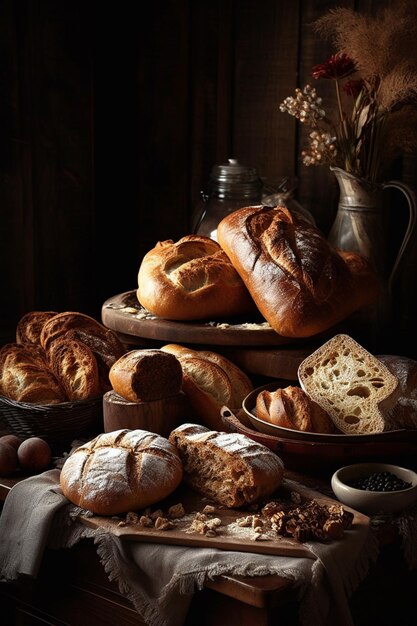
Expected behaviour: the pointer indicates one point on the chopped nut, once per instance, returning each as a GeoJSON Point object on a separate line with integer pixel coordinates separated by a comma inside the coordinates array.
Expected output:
{"type": "Point", "coordinates": [258, 529]}
{"type": "Point", "coordinates": [201, 516]}
{"type": "Point", "coordinates": [162, 523]}
{"type": "Point", "coordinates": [256, 521]}
{"type": "Point", "coordinates": [209, 508]}
{"type": "Point", "coordinates": [176, 511]}
{"type": "Point", "coordinates": [156, 514]}
{"type": "Point", "coordinates": [145, 521]}
{"type": "Point", "coordinates": [214, 523]}
{"type": "Point", "coordinates": [132, 518]}
{"type": "Point", "coordinates": [244, 521]}
{"type": "Point", "coordinates": [210, 533]}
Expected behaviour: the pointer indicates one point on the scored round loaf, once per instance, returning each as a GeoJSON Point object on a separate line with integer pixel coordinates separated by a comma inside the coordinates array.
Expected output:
{"type": "Point", "coordinates": [299, 282]}
{"type": "Point", "coordinates": [146, 375]}
{"type": "Point", "coordinates": [290, 407]}
{"type": "Point", "coordinates": [229, 468]}
{"type": "Point", "coordinates": [210, 381]}
{"type": "Point", "coordinates": [191, 279]}
{"type": "Point", "coordinates": [121, 471]}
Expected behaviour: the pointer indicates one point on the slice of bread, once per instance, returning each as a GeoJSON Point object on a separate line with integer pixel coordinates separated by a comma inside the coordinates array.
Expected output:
{"type": "Point", "coordinates": [350, 384]}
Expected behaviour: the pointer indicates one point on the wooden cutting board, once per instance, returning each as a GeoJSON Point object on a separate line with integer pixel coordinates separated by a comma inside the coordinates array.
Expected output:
{"type": "Point", "coordinates": [229, 538]}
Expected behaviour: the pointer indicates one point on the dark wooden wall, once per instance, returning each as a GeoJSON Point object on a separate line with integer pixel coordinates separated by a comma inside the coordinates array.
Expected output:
{"type": "Point", "coordinates": [111, 117]}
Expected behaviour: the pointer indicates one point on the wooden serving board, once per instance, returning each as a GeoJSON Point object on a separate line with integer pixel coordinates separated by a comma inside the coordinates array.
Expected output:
{"type": "Point", "coordinates": [123, 314]}
{"type": "Point", "coordinates": [228, 538]}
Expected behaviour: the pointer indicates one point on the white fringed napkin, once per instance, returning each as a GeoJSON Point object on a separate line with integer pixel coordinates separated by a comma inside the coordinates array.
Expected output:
{"type": "Point", "coordinates": [159, 579]}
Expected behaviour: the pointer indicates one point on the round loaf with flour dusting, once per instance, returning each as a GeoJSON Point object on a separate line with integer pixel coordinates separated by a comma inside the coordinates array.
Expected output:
{"type": "Point", "coordinates": [121, 471]}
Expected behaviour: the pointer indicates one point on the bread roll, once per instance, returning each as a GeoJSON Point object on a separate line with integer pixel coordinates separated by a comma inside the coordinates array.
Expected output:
{"type": "Point", "coordinates": [191, 279]}
{"type": "Point", "coordinates": [29, 327]}
{"type": "Point", "coordinates": [121, 471]}
{"type": "Point", "coordinates": [299, 282]}
{"type": "Point", "coordinates": [146, 375]}
{"type": "Point", "coordinates": [229, 468]}
{"type": "Point", "coordinates": [351, 384]}
{"type": "Point", "coordinates": [292, 408]}
{"type": "Point", "coordinates": [26, 377]}
{"type": "Point", "coordinates": [210, 381]}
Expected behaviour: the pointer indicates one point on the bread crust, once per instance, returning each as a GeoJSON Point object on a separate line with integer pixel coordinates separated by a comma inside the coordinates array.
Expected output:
{"type": "Point", "coordinates": [146, 375]}
{"type": "Point", "coordinates": [29, 327]}
{"type": "Point", "coordinates": [298, 281]}
{"type": "Point", "coordinates": [121, 471]}
{"type": "Point", "coordinates": [210, 381]}
{"type": "Point", "coordinates": [229, 468]}
{"type": "Point", "coordinates": [75, 366]}
{"type": "Point", "coordinates": [191, 279]}
{"type": "Point", "coordinates": [26, 377]}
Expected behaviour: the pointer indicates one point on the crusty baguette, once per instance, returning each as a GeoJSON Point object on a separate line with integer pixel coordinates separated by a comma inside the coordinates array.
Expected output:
{"type": "Point", "coordinates": [350, 384]}
{"type": "Point", "coordinates": [191, 279]}
{"type": "Point", "coordinates": [146, 375]}
{"type": "Point", "coordinates": [121, 471]}
{"type": "Point", "coordinates": [290, 407]}
{"type": "Point", "coordinates": [299, 282]}
{"type": "Point", "coordinates": [26, 377]}
{"type": "Point", "coordinates": [210, 381]}
{"type": "Point", "coordinates": [29, 327]}
{"type": "Point", "coordinates": [75, 366]}
{"type": "Point", "coordinates": [229, 468]}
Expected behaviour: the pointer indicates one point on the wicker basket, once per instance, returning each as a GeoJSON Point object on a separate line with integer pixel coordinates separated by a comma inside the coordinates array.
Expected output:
{"type": "Point", "coordinates": [58, 424]}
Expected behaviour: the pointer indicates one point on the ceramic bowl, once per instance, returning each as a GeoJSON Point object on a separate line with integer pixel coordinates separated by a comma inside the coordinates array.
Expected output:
{"type": "Point", "coordinates": [374, 502]}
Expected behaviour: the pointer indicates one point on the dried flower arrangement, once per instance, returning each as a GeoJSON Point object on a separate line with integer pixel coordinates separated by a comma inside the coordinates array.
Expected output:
{"type": "Point", "coordinates": [375, 74]}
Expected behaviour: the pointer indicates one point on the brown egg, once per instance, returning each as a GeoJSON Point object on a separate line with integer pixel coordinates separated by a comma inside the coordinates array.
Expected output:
{"type": "Point", "coordinates": [11, 440]}
{"type": "Point", "coordinates": [8, 459]}
{"type": "Point", "coordinates": [34, 455]}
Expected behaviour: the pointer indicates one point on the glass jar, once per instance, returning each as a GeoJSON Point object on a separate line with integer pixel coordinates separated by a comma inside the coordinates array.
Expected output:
{"type": "Point", "coordinates": [231, 186]}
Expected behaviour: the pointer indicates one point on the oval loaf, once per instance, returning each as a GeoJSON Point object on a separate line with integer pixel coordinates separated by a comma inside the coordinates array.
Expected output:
{"type": "Point", "coordinates": [121, 471]}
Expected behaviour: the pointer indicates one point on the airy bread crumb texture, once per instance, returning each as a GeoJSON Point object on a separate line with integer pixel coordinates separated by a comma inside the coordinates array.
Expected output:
{"type": "Point", "coordinates": [351, 384]}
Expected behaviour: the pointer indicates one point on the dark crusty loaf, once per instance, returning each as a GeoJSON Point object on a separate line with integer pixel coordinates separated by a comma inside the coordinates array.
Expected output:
{"type": "Point", "coordinates": [229, 468]}
{"type": "Point", "coordinates": [210, 381]}
{"type": "Point", "coordinates": [290, 407]}
{"type": "Point", "coordinates": [121, 471]}
{"type": "Point", "coordinates": [26, 377]}
{"type": "Point", "coordinates": [146, 375]}
{"type": "Point", "coordinates": [350, 383]}
{"type": "Point", "coordinates": [299, 282]}
{"type": "Point", "coordinates": [29, 327]}
{"type": "Point", "coordinates": [191, 279]}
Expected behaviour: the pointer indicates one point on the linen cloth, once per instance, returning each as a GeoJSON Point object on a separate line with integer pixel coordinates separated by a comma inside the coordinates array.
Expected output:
{"type": "Point", "coordinates": [160, 580]}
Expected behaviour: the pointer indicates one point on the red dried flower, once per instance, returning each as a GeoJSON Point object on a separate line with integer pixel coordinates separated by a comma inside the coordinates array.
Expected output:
{"type": "Point", "coordinates": [353, 87]}
{"type": "Point", "coordinates": [336, 66]}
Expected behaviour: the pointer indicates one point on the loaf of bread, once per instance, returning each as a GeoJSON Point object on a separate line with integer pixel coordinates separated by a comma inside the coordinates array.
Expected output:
{"type": "Point", "coordinates": [290, 407]}
{"type": "Point", "coordinates": [121, 471]}
{"type": "Point", "coordinates": [191, 279]}
{"type": "Point", "coordinates": [210, 381]}
{"type": "Point", "coordinates": [146, 375]}
{"type": "Point", "coordinates": [75, 366]}
{"type": "Point", "coordinates": [26, 377]}
{"type": "Point", "coordinates": [350, 384]}
{"type": "Point", "coordinates": [58, 357]}
{"type": "Point", "coordinates": [29, 327]}
{"type": "Point", "coordinates": [229, 468]}
{"type": "Point", "coordinates": [299, 282]}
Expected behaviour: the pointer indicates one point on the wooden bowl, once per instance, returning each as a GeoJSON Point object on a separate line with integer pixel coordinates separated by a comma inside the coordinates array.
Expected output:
{"type": "Point", "coordinates": [159, 416]}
